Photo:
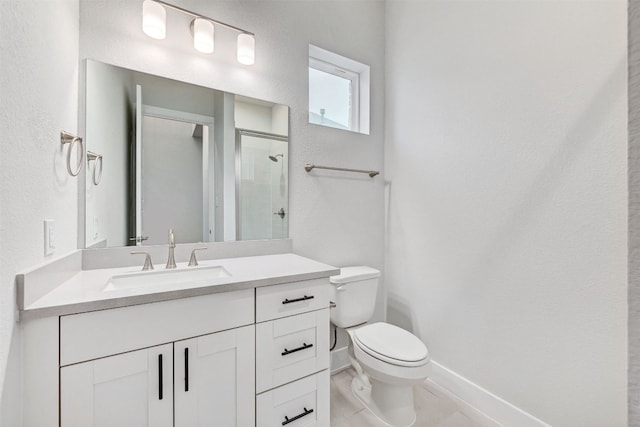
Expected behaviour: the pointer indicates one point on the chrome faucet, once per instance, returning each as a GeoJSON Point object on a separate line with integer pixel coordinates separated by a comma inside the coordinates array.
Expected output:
{"type": "Point", "coordinates": [148, 265]}
{"type": "Point", "coordinates": [171, 262]}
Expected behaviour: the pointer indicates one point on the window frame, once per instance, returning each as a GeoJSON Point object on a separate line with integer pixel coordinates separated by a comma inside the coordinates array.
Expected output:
{"type": "Point", "coordinates": [340, 66]}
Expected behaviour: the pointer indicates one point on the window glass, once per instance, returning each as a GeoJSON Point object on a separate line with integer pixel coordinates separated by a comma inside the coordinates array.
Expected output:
{"type": "Point", "coordinates": [330, 99]}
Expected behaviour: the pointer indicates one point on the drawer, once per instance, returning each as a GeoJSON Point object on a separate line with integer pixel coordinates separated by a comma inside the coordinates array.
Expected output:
{"type": "Point", "coordinates": [273, 302]}
{"type": "Point", "coordinates": [102, 333]}
{"type": "Point", "coordinates": [291, 348]}
{"type": "Point", "coordinates": [301, 403]}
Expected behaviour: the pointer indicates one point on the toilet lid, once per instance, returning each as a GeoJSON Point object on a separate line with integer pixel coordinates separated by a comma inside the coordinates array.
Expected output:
{"type": "Point", "coordinates": [391, 342]}
{"type": "Point", "coordinates": [354, 274]}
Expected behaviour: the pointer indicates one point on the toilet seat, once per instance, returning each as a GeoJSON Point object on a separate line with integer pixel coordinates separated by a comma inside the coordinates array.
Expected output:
{"type": "Point", "coordinates": [391, 344]}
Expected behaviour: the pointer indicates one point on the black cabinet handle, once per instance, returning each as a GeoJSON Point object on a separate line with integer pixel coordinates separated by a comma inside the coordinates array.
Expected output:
{"type": "Point", "coordinates": [186, 369]}
{"type": "Point", "coordinates": [160, 376]}
{"type": "Point", "coordinates": [304, 298]}
{"type": "Point", "coordinates": [288, 420]}
{"type": "Point", "coordinates": [304, 347]}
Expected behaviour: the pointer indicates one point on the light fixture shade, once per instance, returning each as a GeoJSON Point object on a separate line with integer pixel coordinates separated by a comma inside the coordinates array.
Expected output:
{"type": "Point", "coordinates": [203, 35]}
{"type": "Point", "coordinates": [246, 49]}
{"type": "Point", "coordinates": [154, 19]}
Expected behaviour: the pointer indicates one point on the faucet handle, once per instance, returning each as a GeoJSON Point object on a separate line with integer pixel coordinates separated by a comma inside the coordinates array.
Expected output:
{"type": "Point", "coordinates": [138, 239]}
{"type": "Point", "coordinates": [193, 262]}
{"type": "Point", "coordinates": [148, 265]}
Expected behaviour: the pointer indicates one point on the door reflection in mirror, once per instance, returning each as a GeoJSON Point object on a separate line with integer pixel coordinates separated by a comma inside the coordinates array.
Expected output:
{"type": "Point", "coordinates": [173, 181]}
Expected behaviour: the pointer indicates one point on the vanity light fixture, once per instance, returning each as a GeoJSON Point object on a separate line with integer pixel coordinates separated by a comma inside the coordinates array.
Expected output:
{"type": "Point", "coordinates": [246, 49]}
{"type": "Point", "coordinates": [154, 20]}
{"type": "Point", "coordinates": [202, 35]}
{"type": "Point", "coordinates": [154, 24]}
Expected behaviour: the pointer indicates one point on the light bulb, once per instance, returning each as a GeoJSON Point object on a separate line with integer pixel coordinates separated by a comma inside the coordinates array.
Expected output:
{"type": "Point", "coordinates": [203, 35]}
{"type": "Point", "coordinates": [246, 49]}
{"type": "Point", "coordinates": [154, 19]}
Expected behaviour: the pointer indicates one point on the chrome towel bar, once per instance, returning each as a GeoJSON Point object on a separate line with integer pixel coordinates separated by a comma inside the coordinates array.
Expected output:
{"type": "Point", "coordinates": [309, 167]}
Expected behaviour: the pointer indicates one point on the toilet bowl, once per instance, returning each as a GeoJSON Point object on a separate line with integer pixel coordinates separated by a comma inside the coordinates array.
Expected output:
{"type": "Point", "coordinates": [388, 360]}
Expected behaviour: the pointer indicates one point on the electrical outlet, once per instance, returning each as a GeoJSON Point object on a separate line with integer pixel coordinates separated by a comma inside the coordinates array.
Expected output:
{"type": "Point", "coordinates": [49, 237]}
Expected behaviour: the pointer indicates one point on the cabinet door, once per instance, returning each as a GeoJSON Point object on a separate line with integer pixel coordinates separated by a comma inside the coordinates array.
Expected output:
{"type": "Point", "coordinates": [215, 379]}
{"type": "Point", "coordinates": [130, 389]}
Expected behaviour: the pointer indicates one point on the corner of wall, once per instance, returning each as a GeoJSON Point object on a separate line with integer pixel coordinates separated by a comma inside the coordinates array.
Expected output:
{"type": "Point", "coordinates": [633, 380]}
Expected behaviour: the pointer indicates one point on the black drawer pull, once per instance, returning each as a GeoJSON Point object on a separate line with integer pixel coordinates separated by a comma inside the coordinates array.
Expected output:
{"type": "Point", "coordinates": [288, 420]}
{"type": "Point", "coordinates": [304, 298]}
{"type": "Point", "coordinates": [304, 347]}
{"type": "Point", "coordinates": [160, 377]}
{"type": "Point", "coordinates": [186, 369]}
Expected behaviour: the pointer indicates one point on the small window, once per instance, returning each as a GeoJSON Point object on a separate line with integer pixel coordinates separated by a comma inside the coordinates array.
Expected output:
{"type": "Point", "coordinates": [338, 91]}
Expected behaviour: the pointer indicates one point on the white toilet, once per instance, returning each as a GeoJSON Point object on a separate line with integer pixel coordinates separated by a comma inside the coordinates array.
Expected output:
{"type": "Point", "coordinates": [389, 360]}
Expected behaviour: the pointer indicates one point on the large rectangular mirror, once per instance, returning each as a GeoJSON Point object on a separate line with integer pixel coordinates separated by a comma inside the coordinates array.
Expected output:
{"type": "Point", "coordinates": [161, 154]}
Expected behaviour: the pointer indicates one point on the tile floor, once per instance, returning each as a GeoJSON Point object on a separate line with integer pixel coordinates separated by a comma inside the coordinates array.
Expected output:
{"type": "Point", "coordinates": [434, 407]}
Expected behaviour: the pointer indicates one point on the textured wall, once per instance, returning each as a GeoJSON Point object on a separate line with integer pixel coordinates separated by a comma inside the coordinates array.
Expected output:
{"type": "Point", "coordinates": [335, 217]}
{"type": "Point", "coordinates": [38, 89]}
{"type": "Point", "coordinates": [634, 213]}
{"type": "Point", "coordinates": [506, 152]}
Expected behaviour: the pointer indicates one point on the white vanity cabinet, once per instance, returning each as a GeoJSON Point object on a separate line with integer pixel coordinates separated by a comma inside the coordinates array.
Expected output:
{"type": "Point", "coordinates": [292, 354]}
{"type": "Point", "coordinates": [200, 381]}
{"type": "Point", "coordinates": [253, 350]}
{"type": "Point", "coordinates": [208, 380]}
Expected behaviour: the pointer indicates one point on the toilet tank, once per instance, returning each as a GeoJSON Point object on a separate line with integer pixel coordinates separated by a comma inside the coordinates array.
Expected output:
{"type": "Point", "coordinates": [354, 291]}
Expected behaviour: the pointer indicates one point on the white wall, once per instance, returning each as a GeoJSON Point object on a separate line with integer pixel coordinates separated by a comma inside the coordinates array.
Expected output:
{"type": "Point", "coordinates": [253, 117]}
{"type": "Point", "coordinates": [38, 88]}
{"type": "Point", "coordinates": [334, 217]}
{"type": "Point", "coordinates": [634, 214]}
{"type": "Point", "coordinates": [506, 160]}
{"type": "Point", "coordinates": [175, 95]}
{"type": "Point", "coordinates": [280, 119]}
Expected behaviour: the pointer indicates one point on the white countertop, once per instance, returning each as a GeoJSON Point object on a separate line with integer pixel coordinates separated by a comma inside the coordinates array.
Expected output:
{"type": "Point", "coordinates": [85, 290]}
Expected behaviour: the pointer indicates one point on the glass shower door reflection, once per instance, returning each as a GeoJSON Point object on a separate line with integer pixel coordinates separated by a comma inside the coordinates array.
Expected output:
{"type": "Point", "coordinates": [262, 189]}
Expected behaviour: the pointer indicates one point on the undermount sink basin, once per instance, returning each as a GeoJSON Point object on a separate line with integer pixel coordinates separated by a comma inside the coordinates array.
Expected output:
{"type": "Point", "coordinates": [188, 276]}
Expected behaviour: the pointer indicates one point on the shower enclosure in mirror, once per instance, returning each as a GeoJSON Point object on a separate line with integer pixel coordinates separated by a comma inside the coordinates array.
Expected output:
{"type": "Point", "coordinates": [261, 185]}
{"type": "Point", "coordinates": [209, 164]}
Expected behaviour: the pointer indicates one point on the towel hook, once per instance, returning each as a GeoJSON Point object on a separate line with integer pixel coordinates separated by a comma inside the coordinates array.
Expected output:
{"type": "Point", "coordinates": [71, 139]}
{"type": "Point", "coordinates": [98, 161]}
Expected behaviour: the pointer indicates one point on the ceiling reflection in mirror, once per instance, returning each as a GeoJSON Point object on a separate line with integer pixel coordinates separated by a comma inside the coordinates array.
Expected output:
{"type": "Point", "coordinates": [211, 165]}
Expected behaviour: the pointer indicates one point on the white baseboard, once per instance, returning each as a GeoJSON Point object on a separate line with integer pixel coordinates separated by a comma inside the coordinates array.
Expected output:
{"type": "Point", "coordinates": [470, 394]}
{"type": "Point", "coordinates": [339, 360]}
